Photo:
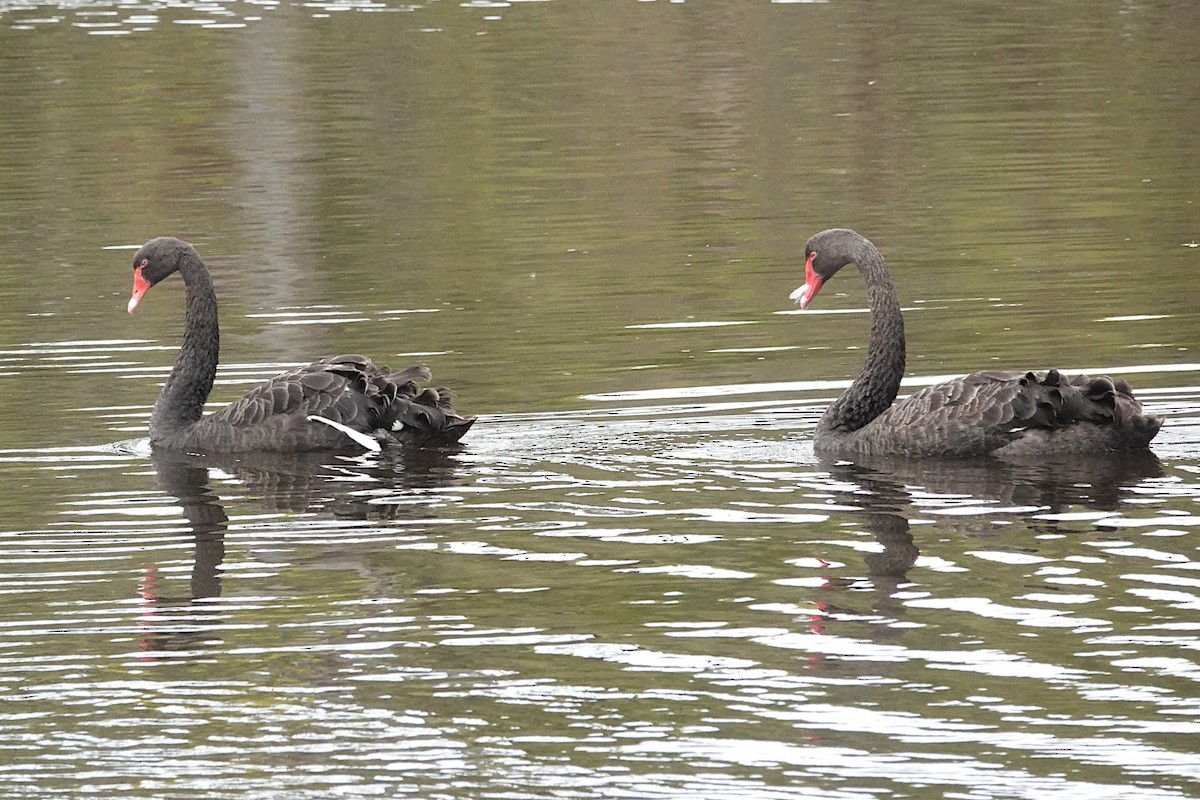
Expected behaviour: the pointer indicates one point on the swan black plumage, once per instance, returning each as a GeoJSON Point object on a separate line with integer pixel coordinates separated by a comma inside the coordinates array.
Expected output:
{"type": "Point", "coordinates": [1008, 414]}
{"type": "Point", "coordinates": [334, 404]}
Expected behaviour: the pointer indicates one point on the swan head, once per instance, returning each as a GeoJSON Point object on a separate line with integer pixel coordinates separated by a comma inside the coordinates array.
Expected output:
{"type": "Point", "coordinates": [155, 260]}
{"type": "Point", "coordinates": [824, 254]}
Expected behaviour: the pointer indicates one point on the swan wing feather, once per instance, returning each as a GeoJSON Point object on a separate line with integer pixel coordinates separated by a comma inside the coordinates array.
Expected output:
{"type": "Point", "coordinates": [346, 392]}
{"type": "Point", "coordinates": [987, 411]}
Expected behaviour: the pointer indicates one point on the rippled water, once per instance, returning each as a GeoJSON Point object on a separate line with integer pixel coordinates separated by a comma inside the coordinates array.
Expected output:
{"type": "Point", "coordinates": [636, 579]}
{"type": "Point", "coordinates": [618, 601]}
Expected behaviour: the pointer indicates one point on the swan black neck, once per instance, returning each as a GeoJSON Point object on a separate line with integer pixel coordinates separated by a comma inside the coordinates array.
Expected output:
{"type": "Point", "coordinates": [876, 387]}
{"type": "Point", "coordinates": [181, 401]}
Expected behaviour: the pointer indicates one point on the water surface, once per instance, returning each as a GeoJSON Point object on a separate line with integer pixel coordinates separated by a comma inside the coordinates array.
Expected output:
{"type": "Point", "coordinates": [636, 579]}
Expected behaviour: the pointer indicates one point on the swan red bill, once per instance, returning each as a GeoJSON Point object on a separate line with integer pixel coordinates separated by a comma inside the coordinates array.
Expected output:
{"type": "Point", "coordinates": [812, 284]}
{"type": "Point", "coordinates": [140, 287]}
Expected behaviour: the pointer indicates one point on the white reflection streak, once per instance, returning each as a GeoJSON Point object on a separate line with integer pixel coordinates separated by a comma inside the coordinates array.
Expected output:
{"type": "Point", "coordinates": [922, 769]}
{"type": "Point", "coordinates": [809, 386]}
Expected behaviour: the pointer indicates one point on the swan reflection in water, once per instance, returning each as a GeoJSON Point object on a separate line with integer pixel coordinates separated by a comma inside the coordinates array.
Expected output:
{"type": "Point", "coordinates": [383, 487]}
{"type": "Point", "coordinates": [888, 492]}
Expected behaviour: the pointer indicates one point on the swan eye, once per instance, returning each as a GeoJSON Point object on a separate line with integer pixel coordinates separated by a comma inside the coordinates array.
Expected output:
{"type": "Point", "coordinates": [145, 263]}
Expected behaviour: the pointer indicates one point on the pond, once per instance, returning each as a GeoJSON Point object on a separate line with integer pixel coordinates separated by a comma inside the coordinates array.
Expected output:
{"type": "Point", "coordinates": [636, 578]}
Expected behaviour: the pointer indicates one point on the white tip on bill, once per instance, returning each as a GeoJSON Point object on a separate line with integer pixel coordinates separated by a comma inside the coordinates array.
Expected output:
{"type": "Point", "coordinates": [366, 441]}
{"type": "Point", "coordinates": [801, 295]}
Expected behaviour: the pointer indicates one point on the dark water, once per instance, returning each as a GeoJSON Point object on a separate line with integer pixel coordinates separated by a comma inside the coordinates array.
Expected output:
{"type": "Point", "coordinates": [637, 579]}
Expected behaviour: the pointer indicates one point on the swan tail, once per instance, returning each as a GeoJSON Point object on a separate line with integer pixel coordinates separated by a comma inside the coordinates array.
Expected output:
{"type": "Point", "coordinates": [418, 416]}
{"type": "Point", "coordinates": [1058, 404]}
{"type": "Point", "coordinates": [372, 403]}
{"type": "Point", "coordinates": [426, 421]}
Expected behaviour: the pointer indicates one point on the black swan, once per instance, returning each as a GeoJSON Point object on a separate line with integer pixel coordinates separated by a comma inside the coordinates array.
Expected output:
{"type": "Point", "coordinates": [1015, 414]}
{"type": "Point", "coordinates": [330, 405]}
